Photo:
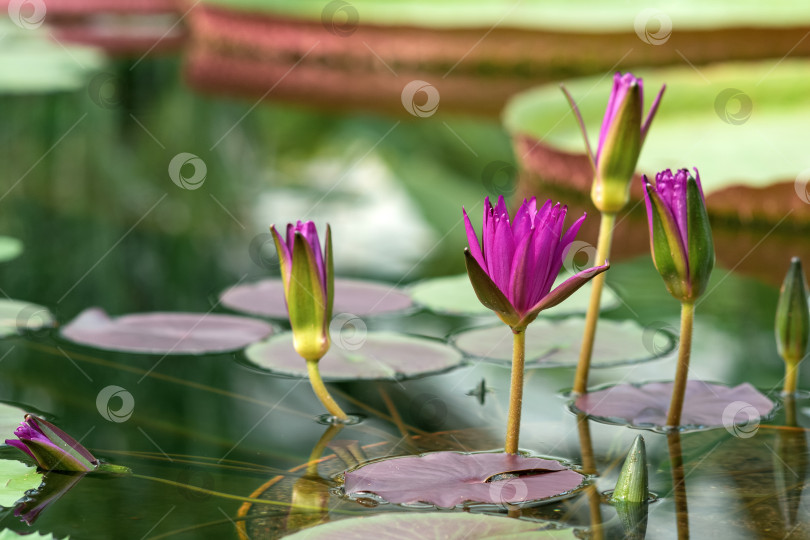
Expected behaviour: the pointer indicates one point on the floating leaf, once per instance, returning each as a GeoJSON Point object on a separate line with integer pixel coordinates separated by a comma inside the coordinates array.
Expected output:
{"type": "Point", "coordinates": [360, 298]}
{"type": "Point", "coordinates": [16, 316]}
{"type": "Point", "coordinates": [10, 418]}
{"type": "Point", "coordinates": [375, 355]}
{"type": "Point", "coordinates": [554, 343]}
{"type": "Point", "coordinates": [17, 478]}
{"type": "Point", "coordinates": [456, 526]}
{"type": "Point", "coordinates": [739, 409]}
{"type": "Point", "coordinates": [10, 248]}
{"type": "Point", "coordinates": [165, 333]}
{"type": "Point", "coordinates": [8, 534]}
{"type": "Point", "coordinates": [454, 295]}
{"type": "Point", "coordinates": [449, 479]}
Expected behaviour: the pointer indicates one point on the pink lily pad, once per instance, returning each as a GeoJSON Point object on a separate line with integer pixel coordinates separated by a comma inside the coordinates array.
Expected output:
{"type": "Point", "coordinates": [165, 333]}
{"type": "Point", "coordinates": [447, 526]}
{"type": "Point", "coordinates": [366, 356]}
{"type": "Point", "coordinates": [450, 479]}
{"type": "Point", "coordinates": [360, 298]}
{"type": "Point", "coordinates": [706, 405]}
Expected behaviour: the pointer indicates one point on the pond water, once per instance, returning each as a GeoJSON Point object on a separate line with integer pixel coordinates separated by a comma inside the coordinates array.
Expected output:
{"type": "Point", "coordinates": [87, 189]}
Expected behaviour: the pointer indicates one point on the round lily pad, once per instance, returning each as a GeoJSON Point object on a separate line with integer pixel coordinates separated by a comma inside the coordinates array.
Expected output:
{"type": "Point", "coordinates": [17, 316]}
{"type": "Point", "coordinates": [706, 405]}
{"type": "Point", "coordinates": [17, 479]}
{"type": "Point", "coordinates": [357, 297]}
{"type": "Point", "coordinates": [455, 526]}
{"type": "Point", "coordinates": [165, 333]}
{"type": "Point", "coordinates": [454, 295]}
{"type": "Point", "coordinates": [555, 343]}
{"type": "Point", "coordinates": [375, 355]}
{"type": "Point", "coordinates": [450, 479]}
{"type": "Point", "coordinates": [10, 248]}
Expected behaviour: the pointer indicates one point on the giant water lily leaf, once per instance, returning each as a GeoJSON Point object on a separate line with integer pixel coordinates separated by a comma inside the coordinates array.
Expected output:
{"type": "Point", "coordinates": [716, 116]}
{"type": "Point", "coordinates": [454, 295]}
{"type": "Point", "coordinates": [357, 297]}
{"type": "Point", "coordinates": [739, 409]}
{"type": "Point", "coordinates": [371, 355]}
{"type": "Point", "coordinates": [450, 479]}
{"type": "Point", "coordinates": [555, 343]}
{"type": "Point", "coordinates": [456, 526]}
{"type": "Point", "coordinates": [10, 248]}
{"type": "Point", "coordinates": [17, 316]}
{"type": "Point", "coordinates": [165, 333]}
{"type": "Point", "coordinates": [17, 478]}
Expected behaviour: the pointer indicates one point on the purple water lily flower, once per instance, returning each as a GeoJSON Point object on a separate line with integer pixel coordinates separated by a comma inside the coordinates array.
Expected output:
{"type": "Point", "coordinates": [308, 286]}
{"type": "Point", "coordinates": [680, 233]}
{"type": "Point", "coordinates": [50, 447]}
{"type": "Point", "coordinates": [514, 268]}
{"type": "Point", "coordinates": [621, 137]}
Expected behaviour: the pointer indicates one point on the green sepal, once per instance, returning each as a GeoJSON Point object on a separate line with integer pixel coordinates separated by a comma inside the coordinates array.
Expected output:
{"type": "Point", "coordinates": [329, 262]}
{"type": "Point", "coordinates": [633, 485]}
{"type": "Point", "coordinates": [284, 261]}
{"type": "Point", "coordinates": [793, 315]}
{"type": "Point", "coordinates": [668, 252]}
{"type": "Point", "coordinates": [109, 468]}
{"type": "Point", "coordinates": [65, 457]}
{"type": "Point", "coordinates": [699, 238]}
{"type": "Point", "coordinates": [488, 293]}
{"type": "Point", "coordinates": [306, 303]}
{"type": "Point", "coordinates": [618, 155]}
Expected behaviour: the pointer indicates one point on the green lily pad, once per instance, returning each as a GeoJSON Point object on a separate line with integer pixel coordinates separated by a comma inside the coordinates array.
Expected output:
{"type": "Point", "coordinates": [360, 356]}
{"type": "Point", "coordinates": [454, 295]}
{"type": "Point", "coordinates": [31, 62]}
{"type": "Point", "coordinates": [447, 526]}
{"type": "Point", "coordinates": [10, 418]}
{"type": "Point", "coordinates": [713, 117]}
{"type": "Point", "coordinates": [17, 316]}
{"type": "Point", "coordinates": [557, 15]}
{"type": "Point", "coordinates": [17, 478]}
{"type": "Point", "coordinates": [10, 248]}
{"type": "Point", "coordinates": [555, 343]}
{"type": "Point", "coordinates": [8, 534]}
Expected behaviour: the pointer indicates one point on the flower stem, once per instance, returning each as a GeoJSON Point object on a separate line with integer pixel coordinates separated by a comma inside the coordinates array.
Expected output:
{"type": "Point", "coordinates": [516, 391]}
{"type": "Point", "coordinates": [791, 375]}
{"type": "Point", "coordinates": [592, 316]}
{"type": "Point", "coordinates": [682, 373]}
{"type": "Point", "coordinates": [322, 393]}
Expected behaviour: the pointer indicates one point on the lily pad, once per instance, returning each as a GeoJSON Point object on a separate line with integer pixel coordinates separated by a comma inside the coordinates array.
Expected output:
{"type": "Point", "coordinates": [450, 479]}
{"type": "Point", "coordinates": [165, 333]}
{"type": "Point", "coordinates": [377, 355]}
{"type": "Point", "coordinates": [10, 418]}
{"type": "Point", "coordinates": [17, 316]}
{"type": "Point", "coordinates": [357, 297]}
{"type": "Point", "coordinates": [10, 248]}
{"type": "Point", "coordinates": [706, 405]}
{"type": "Point", "coordinates": [454, 295]}
{"type": "Point", "coordinates": [713, 115]}
{"type": "Point", "coordinates": [8, 534]}
{"type": "Point", "coordinates": [17, 479]}
{"type": "Point", "coordinates": [555, 343]}
{"type": "Point", "coordinates": [457, 526]}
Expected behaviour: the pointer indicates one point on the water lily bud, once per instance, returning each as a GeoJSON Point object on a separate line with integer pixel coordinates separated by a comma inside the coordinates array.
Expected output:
{"type": "Point", "coordinates": [632, 485]}
{"type": "Point", "coordinates": [680, 233]}
{"type": "Point", "coordinates": [50, 447]}
{"type": "Point", "coordinates": [514, 268]}
{"type": "Point", "coordinates": [793, 315]}
{"type": "Point", "coordinates": [309, 280]}
{"type": "Point", "coordinates": [623, 132]}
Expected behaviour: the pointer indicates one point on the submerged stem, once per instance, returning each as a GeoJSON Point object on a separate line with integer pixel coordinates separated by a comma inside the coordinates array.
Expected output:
{"type": "Point", "coordinates": [682, 373]}
{"type": "Point", "coordinates": [592, 316]}
{"type": "Point", "coordinates": [323, 394]}
{"type": "Point", "coordinates": [516, 391]}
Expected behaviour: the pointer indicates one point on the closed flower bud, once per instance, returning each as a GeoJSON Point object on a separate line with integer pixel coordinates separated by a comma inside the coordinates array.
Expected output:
{"type": "Point", "coordinates": [793, 315]}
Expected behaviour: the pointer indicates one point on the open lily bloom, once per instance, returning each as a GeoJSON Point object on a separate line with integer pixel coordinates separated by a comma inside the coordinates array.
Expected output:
{"type": "Point", "coordinates": [50, 447]}
{"type": "Point", "coordinates": [514, 268]}
{"type": "Point", "coordinates": [680, 234]}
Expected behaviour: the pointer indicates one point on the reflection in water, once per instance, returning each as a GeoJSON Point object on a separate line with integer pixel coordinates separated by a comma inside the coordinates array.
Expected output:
{"type": "Point", "coordinates": [678, 484]}
{"type": "Point", "coordinates": [589, 467]}
{"type": "Point", "coordinates": [54, 485]}
{"type": "Point", "coordinates": [790, 467]}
